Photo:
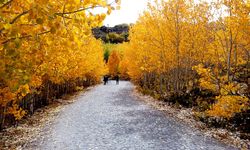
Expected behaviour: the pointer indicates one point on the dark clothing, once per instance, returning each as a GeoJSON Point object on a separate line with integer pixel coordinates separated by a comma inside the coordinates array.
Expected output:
{"type": "Point", "coordinates": [117, 79]}
{"type": "Point", "coordinates": [105, 79]}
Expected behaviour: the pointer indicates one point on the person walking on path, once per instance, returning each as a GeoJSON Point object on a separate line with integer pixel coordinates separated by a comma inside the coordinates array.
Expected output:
{"type": "Point", "coordinates": [105, 79]}
{"type": "Point", "coordinates": [117, 79]}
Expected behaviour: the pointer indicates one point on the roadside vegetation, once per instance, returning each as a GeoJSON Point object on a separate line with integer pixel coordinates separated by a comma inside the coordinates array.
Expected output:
{"type": "Point", "coordinates": [186, 53]}
{"type": "Point", "coordinates": [195, 55]}
{"type": "Point", "coordinates": [47, 50]}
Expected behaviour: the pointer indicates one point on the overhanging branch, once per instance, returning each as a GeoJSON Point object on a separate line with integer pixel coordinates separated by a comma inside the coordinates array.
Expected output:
{"type": "Point", "coordinates": [23, 37]}
{"type": "Point", "coordinates": [76, 11]}
{"type": "Point", "coordinates": [6, 4]}
{"type": "Point", "coordinates": [18, 16]}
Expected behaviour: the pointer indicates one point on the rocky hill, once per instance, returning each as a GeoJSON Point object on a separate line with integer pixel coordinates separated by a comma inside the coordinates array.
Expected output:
{"type": "Point", "coordinates": [116, 34]}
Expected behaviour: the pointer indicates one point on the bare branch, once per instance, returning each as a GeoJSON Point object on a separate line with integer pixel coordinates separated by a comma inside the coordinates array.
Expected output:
{"type": "Point", "coordinates": [6, 4]}
{"type": "Point", "coordinates": [76, 11]}
{"type": "Point", "coordinates": [18, 16]}
{"type": "Point", "coordinates": [61, 15]}
{"type": "Point", "coordinates": [23, 37]}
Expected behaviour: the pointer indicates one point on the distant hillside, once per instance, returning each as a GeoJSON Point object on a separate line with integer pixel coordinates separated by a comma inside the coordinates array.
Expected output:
{"type": "Point", "coordinates": [116, 34]}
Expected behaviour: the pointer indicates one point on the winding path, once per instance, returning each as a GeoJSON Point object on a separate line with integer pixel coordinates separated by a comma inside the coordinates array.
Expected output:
{"type": "Point", "coordinates": [111, 118]}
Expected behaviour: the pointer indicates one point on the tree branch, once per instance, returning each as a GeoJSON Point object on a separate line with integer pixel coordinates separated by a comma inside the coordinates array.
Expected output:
{"type": "Point", "coordinates": [61, 15]}
{"type": "Point", "coordinates": [76, 11]}
{"type": "Point", "coordinates": [18, 16]}
{"type": "Point", "coordinates": [7, 3]}
{"type": "Point", "coordinates": [23, 37]}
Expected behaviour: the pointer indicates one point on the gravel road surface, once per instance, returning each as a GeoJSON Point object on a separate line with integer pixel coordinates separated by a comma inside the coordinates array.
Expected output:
{"type": "Point", "coordinates": [109, 117]}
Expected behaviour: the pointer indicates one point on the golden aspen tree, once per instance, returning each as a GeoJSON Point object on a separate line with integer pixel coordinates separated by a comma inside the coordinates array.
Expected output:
{"type": "Point", "coordinates": [230, 55]}
{"type": "Point", "coordinates": [113, 63]}
{"type": "Point", "coordinates": [176, 42]}
{"type": "Point", "coordinates": [166, 41]}
{"type": "Point", "coordinates": [46, 41]}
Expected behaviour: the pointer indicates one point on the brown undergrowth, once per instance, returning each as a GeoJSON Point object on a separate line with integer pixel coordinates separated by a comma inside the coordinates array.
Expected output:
{"type": "Point", "coordinates": [187, 115]}
{"type": "Point", "coordinates": [29, 129]}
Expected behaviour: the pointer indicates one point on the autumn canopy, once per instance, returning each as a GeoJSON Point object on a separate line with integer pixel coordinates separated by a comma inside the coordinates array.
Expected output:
{"type": "Point", "coordinates": [45, 43]}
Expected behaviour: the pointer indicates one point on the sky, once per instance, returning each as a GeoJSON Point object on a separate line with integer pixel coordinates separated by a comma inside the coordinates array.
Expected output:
{"type": "Point", "coordinates": [129, 12]}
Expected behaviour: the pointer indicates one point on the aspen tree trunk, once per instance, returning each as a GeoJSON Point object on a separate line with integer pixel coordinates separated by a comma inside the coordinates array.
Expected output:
{"type": "Point", "coordinates": [161, 84]}
{"type": "Point", "coordinates": [235, 55]}
{"type": "Point", "coordinates": [177, 28]}
{"type": "Point", "coordinates": [58, 90]}
{"type": "Point", "coordinates": [229, 59]}
{"type": "Point", "coordinates": [230, 50]}
{"type": "Point", "coordinates": [47, 93]}
{"type": "Point", "coordinates": [145, 81]}
{"type": "Point", "coordinates": [2, 117]}
{"type": "Point", "coordinates": [235, 59]}
{"type": "Point", "coordinates": [31, 106]}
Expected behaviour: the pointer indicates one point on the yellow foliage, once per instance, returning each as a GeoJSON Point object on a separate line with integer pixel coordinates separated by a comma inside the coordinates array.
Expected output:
{"type": "Point", "coordinates": [17, 112]}
{"type": "Point", "coordinates": [47, 38]}
{"type": "Point", "coordinates": [6, 95]}
{"type": "Point", "coordinates": [24, 90]}
{"type": "Point", "coordinates": [172, 38]}
{"type": "Point", "coordinates": [113, 63]}
{"type": "Point", "coordinates": [207, 80]}
{"type": "Point", "coordinates": [228, 105]}
{"type": "Point", "coordinates": [229, 88]}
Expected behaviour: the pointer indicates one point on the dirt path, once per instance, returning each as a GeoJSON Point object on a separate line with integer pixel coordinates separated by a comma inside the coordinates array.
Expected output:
{"type": "Point", "coordinates": [111, 118]}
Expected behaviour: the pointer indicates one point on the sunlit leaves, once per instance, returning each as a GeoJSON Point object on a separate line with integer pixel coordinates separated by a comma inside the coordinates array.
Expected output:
{"type": "Point", "coordinates": [47, 40]}
{"type": "Point", "coordinates": [228, 105]}
{"type": "Point", "coordinates": [179, 42]}
{"type": "Point", "coordinates": [113, 63]}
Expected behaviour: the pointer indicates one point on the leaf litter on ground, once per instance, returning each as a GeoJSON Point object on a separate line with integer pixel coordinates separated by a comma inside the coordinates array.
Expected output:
{"type": "Point", "coordinates": [31, 128]}
{"type": "Point", "coordinates": [187, 115]}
